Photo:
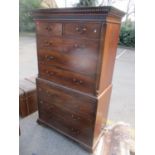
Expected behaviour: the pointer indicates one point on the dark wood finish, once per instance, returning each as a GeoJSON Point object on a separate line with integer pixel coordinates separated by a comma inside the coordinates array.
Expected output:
{"type": "Point", "coordinates": [67, 53]}
{"type": "Point", "coordinates": [76, 50]}
{"type": "Point", "coordinates": [108, 56]}
{"type": "Point", "coordinates": [82, 29]}
{"type": "Point", "coordinates": [49, 29]}
{"type": "Point", "coordinates": [102, 112]}
{"type": "Point", "coordinates": [23, 107]}
{"type": "Point", "coordinates": [84, 106]}
{"type": "Point", "coordinates": [75, 122]}
{"type": "Point", "coordinates": [27, 97]}
{"type": "Point", "coordinates": [67, 78]}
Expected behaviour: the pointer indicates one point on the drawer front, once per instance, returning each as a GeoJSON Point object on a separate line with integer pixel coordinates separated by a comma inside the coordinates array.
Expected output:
{"type": "Point", "coordinates": [67, 46]}
{"type": "Point", "coordinates": [67, 78]}
{"type": "Point", "coordinates": [51, 107]}
{"type": "Point", "coordinates": [48, 28]}
{"type": "Point", "coordinates": [83, 106]}
{"type": "Point", "coordinates": [84, 30]}
{"type": "Point", "coordinates": [64, 122]}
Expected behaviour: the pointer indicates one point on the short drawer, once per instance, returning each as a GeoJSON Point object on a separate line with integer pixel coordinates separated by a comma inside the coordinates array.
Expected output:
{"type": "Point", "coordinates": [85, 30]}
{"type": "Point", "coordinates": [83, 106]}
{"type": "Point", "coordinates": [48, 28]}
{"type": "Point", "coordinates": [67, 78]}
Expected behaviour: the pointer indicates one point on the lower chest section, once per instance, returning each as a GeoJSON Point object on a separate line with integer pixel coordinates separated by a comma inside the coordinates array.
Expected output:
{"type": "Point", "coordinates": [67, 111]}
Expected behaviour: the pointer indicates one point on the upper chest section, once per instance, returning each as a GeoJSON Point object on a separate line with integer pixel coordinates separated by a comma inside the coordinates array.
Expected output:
{"type": "Point", "coordinates": [72, 45]}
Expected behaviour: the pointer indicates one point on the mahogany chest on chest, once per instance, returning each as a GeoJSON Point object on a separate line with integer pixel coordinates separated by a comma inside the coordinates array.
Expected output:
{"type": "Point", "coordinates": [76, 50]}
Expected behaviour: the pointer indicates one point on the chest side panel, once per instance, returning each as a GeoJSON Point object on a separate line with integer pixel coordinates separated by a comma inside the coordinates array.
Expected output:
{"type": "Point", "coordinates": [108, 56]}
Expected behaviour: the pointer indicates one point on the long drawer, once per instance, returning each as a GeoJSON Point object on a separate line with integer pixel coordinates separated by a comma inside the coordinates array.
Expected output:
{"type": "Point", "coordinates": [82, 105]}
{"type": "Point", "coordinates": [75, 55]}
{"type": "Point", "coordinates": [63, 123]}
{"type": "Point", "coordinates": [68, 78]}
{"type": "Point", "coordinates": [52, 108]}
{"type": "Point", "coordinates": [66, 45]}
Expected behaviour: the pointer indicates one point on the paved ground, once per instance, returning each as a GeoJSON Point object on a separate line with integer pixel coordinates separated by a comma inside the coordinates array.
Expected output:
{"type": "Point", "coordinates": [122, 99]}
{"type": "Point", "coordinates": [27, 55]}
{"type": "Point", "coordinates": [122, 105]}
{"type": "Point", "coordinates": [37, 140]}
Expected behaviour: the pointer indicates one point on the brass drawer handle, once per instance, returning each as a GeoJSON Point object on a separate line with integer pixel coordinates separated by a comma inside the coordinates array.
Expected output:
{"type": "Point", "coordinates": [75, 131]}
{"type": "Point", "coordinates": [81, 30]}
{"type": "Point", "coordinates": [49, 58]}
{"type": "Point", "coordinates": [48, 28]}
{"type": "Point", "coordinates": [77, 81]}
{"type": "Point", "coordinates": [41, 102]}
{"type": "Point", "coordinates": [75, 117]}
{"type": "Point", "coordinates": [77, 29]}
{"type": "Point", "coordinates": [48, 43]}
{"type": "Point", "coordinates": [80, 82]}
{"type": "Point", "coordinates": [76, 45]}
{"type": "Point", "coordinates": [95, 31]}
{"type": "Point", "coordinates": [79, 46]}
{"type": "Point", "coordinates": [84, 29]}
{"type": "Point", "coordinates": [51, 73]}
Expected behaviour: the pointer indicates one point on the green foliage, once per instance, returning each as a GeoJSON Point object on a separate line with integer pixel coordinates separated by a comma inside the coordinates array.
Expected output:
{"type": "Point", "coordinates": [25, 20]}
{"type": "Point", "coordinates": [127, 34]}
{"type": "Point", "coordinates": [85, 3]}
